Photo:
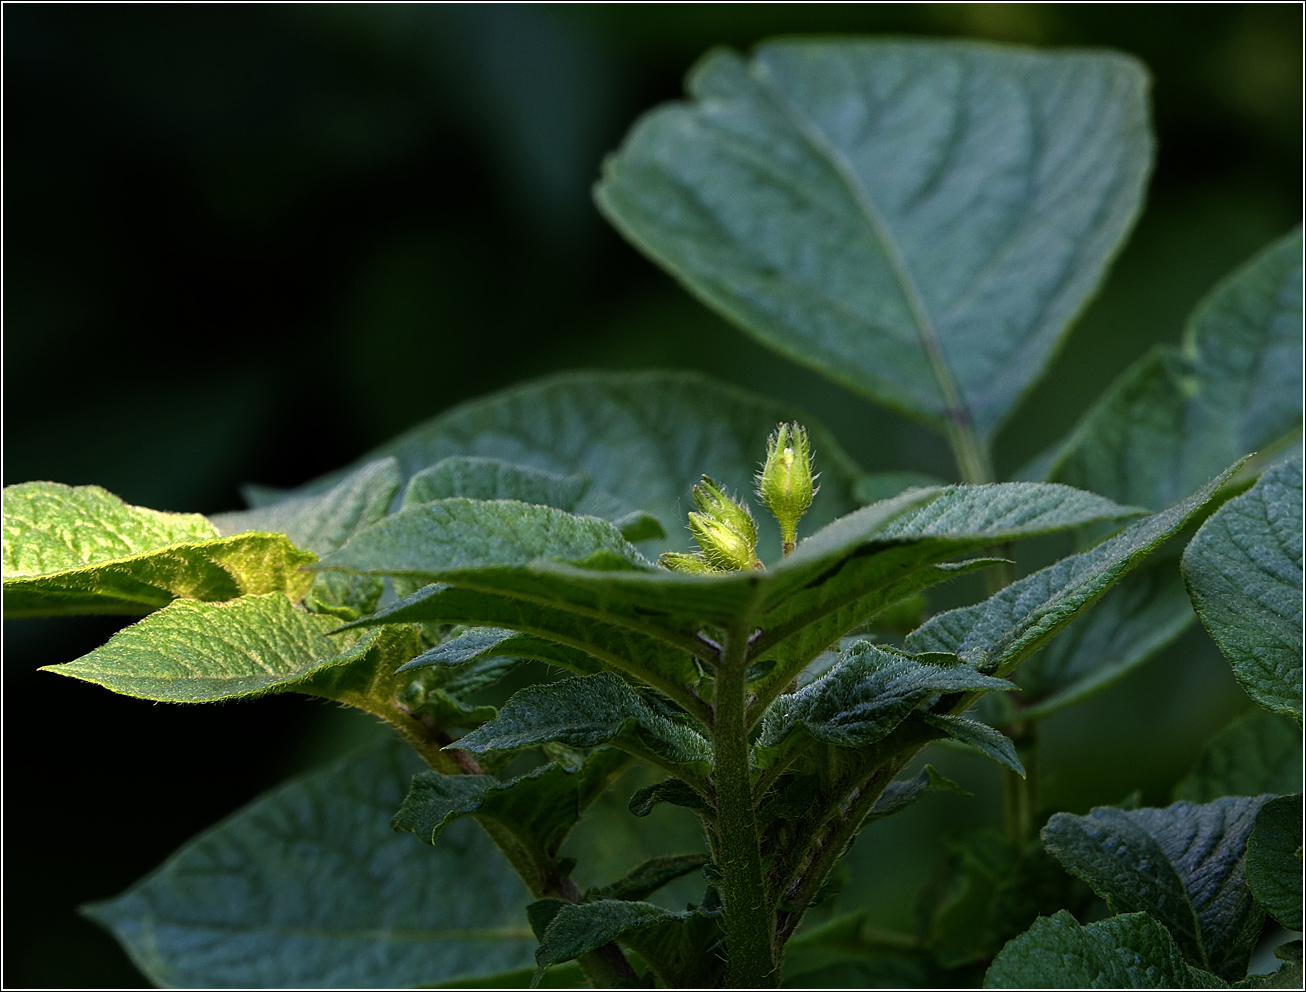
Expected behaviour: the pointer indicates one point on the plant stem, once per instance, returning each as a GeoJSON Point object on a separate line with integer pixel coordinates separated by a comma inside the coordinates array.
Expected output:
{"type": "Point", "coordinates": [1020, 796]}
{"type": "Point", "coordinates": [748, 918]}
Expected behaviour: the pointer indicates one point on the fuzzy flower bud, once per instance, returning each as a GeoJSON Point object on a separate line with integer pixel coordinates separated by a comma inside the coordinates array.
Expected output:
{"type": "Point", "coordinates": [694, 564]}
{"type": "Point", "coordinates": [786, 481]}
{"type": "Point", "coordinates": [724, 528]}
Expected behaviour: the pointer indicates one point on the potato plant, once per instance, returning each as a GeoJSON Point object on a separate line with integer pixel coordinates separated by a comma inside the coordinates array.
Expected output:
{"type": "Point", "coordinates": [920, 222]}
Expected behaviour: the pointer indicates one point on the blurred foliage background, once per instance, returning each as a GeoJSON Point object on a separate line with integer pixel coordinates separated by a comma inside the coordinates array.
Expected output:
{"type": "Point", "coordinates": [248, 243]}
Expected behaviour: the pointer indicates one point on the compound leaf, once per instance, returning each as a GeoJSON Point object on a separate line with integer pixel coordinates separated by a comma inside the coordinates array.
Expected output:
{"type": "Point", "coordinates": [356, 905]}
{"type": "Point", "coordinates": [1259, 752]}
{"type": "Point", "coordinates": [81, 550]}
{"type": "Point", "coordinates": [1001, 632]}
{"type": "Point", "coordinates": [917, 220]}
{"type": "Point", "coordinates": [864, 697]}
{"type": "Point", "coordinates": [1183, 864]}
{"type": "Point", "coordinates": [1274, 860]}
{"type": "Point", "coordinates": [1130, 951]}
{"type": "Point", "coordinates": [587, 712]}
{"type": "Point", "coordinates": [1244, 574]}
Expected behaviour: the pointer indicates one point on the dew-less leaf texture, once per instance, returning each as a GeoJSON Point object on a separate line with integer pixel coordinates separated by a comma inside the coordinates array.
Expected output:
{"type": "Point", "coordinates": [1274, 860]}
{"type": "Point", "coordinates": [530, 816]}
{"type": "Point", "coordinates": [1259, 752]}
{"type": "Point", "coordinates": [1244, 574]}
{"type": "Point", "coordinates": [918, 220]}
{"type": "Point", "coordinates": [587, 712]}
{"type": "Point", "coordinates": [868, 693]}
{"type": "Point", "coordinates": [1131, 951]}
{"type": "Point", "coordinates": [495, 642]}
{"type": "Point", "coordinates": [1182, 414]}
{"type": "Point", "coordinates": [645, 438]}
{"type": "Point", "coordinates": [980, 736]}
{"type": "Point", "coordinates": [323, 522]}
{"type": "Point", "coordinates": [308, 887]}
{"type": "Point", "coordinates": [81, 550]}
{"type": "Point", "coordinates": [648, 877]}
{"type": "Point", "coordinates": [192, 652]}
{"type": "Point", "coordinates": [491, 478]}
{"type": "Point", "coordinates": [1183, 864]}
{"type": "Point", "coordinates": [1001, 632]}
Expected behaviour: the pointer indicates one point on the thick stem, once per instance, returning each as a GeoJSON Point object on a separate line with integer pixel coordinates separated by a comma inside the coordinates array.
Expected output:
{"type": "Point", "coordinates": [748, 918]}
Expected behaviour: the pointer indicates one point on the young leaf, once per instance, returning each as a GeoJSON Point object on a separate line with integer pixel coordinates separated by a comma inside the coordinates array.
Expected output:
{"type": "Point", "coordinates": [490, 478]}
{"type": "Point", "coordinates": [529, 816]}
{"type": "Point", "coordinates": [1183, 864]}
{"type": "Point", "coordinates": [324, 522]}
{"type": "Point", "coordinates": [356, 904]}
{"type": "Point", "coordinates": [1244, 574]}
{"type": "Point", "coordinates": [1001, 632]}
{"type": "Point", "coordinates": [494, 642]}
{"type": "Point", "coordinates": [1274, 860]}
{"type": "Point", "coordinates": [963, 202]}
{"type": "Point", "coordinates": [648, 877]}
{"type": "Point", "coordinates": [81, 550]}
{"type": "Point", "coordinates": [643, 437]}
{"type": "Point", "coordinates": [864, 697]}
{"type": "Point", "coordinates": [1131, 951]}
{"type": "Point", "coordinates": [980, 736]}
{"type": "Point", "coordinates": [587, 712]}
{"type": "Point", "coordinates": [1259, 752]}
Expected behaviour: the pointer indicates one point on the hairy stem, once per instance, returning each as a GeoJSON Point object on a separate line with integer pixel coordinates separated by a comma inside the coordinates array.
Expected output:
{"type": "Point", "coordinates": [748, 917]}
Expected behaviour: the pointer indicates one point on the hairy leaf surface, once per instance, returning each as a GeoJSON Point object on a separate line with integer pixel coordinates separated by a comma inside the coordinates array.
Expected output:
{"type": "Point", "coordinates": [1259, 752]}
{"type": "Point", "coordinates": [1274, 860]}
{"type": "Point", "coordinates": [357, 905]}
{"type": "Point", "coordinates": [980, 736]}
{"type": "Point", "coordinates": [81, 550]}
{"type": "Point", "coordinates": [1130, 951]}
{"type": "Point", "coordinates": [917, 220]}
{"type": "Point", "coordinates": [1001, 632]}
{"type": "Point", "coordinates": [494, 642]}
{"type": "Point", "coordinates": [1183, 864]}
{"type": "Point", "coordinates": [1244, 573]}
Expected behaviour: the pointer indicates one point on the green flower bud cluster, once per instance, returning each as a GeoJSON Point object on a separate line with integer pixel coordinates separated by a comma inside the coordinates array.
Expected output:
{"type": "Point", "coordinates": [725, 531]}
{"type": "Point", "coordinates": [786, 481]}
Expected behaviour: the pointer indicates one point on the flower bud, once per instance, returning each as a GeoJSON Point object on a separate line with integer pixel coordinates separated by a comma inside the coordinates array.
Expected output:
{"type": "Point", "coordinates": [786, 481]}
{"type": "Point", "coordinates": [694, 564]}
{"type": "Point", "coordinates": [724, 528]}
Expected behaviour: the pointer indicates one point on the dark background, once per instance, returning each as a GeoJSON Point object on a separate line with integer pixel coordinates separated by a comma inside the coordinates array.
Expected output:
{"type": "Point", "coordinates": [248, 243]}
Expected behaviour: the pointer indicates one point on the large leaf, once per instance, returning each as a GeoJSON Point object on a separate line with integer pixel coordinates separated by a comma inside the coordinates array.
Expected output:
{"type": "Point", "coordinates": [79, 549]}
{"type": "Point", "coordinates": [1001, 632]}
{"type": "Point", "coordinates": [917, 220]}
{"type": "Point", "coordinates": [1132, 951]}
{"type": "Point", "coordinates": [1274, 860]}
{"type": "Point", "coordinates": [865, 696]}
{"type": "Point", "coordinates": [309, 887]}
{"type": "Point", "coordinates": [1183, 864]}
{"type": "Point", "coordinates": [490, 478]}
{"type": "Point", "coordinates": [1179, 416]}
{"type": "Point", "coordinates": [587, 712]}
{"type": "Point", "coordinates": [1244, 573]}
{"type": "Point", "coordinates": [646, 438]}
{"type": "Point", "coordinates": [1259, 752]}
{"type": "Point", "coordinates": [529, 816]}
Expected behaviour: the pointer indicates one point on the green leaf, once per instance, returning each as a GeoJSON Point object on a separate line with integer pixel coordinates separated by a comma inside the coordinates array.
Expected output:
{"type": "Point", "coordinates": [1131, 951]}
{"type": "Point", "coordinates": [1259, 752]}
{"type": "Point", "coordinates": [491, 478]}
{"type": "Point", "coordinates": [1001, 632]}
{"type": "Point", "coordinates": [648, 877]}
{"type": "Point", "coordinates": [919, 221]}
{"type": "Point", "coordinates": [1181, 414]}
{"type": "Point", "coordinates": [587, 712]}
{"type": "Point", "coordinates": [864, 697]}
{"type": "Point", "coordinates": [1183, 864]}
{"type": "Point", "coordinates": [980, 736]}
{"type": "Point", "coordinates": [1287, 976]}
{"type": "Point", "coordinates": [529, 817]}
{"type": "Point", "coordinates": [1274, 860]}
{"type": "Point", "coordinates": [81, 550]}
{"type": "Point", "coordinates": [356, 905]}
{"type": "Point", "coordinates": [1244, 574]}
{"type": "Point", "coordinates": [496, 642]}
{"type": "Point", "coordinates": [678, 947]}
{"type": "Point", "coordinates": [672, 791]}
{"type": "Point", "coordinates": [645, 437]}
{"type": "Point", "coordinates": [324, 522]}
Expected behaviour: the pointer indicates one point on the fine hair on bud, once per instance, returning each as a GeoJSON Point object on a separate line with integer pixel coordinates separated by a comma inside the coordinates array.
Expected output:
{"type": "Point", "coordinates": [786, 484]}
{"type": "Point", "coordinates": [724, 528]}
